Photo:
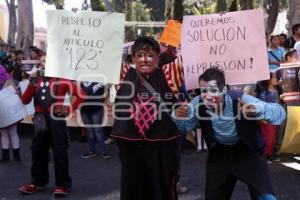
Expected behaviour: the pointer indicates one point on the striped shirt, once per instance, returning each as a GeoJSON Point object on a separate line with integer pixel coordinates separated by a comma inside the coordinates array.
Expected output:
{"type": "Point", "coordinates": [224, 126]}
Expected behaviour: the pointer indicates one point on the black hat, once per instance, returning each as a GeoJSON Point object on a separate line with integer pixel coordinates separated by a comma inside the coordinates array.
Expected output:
{"type": "Point", "coordinates": [141, 41]}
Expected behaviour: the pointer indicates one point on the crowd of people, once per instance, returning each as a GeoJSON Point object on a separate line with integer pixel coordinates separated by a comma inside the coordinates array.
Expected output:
{"type": "Point", "coordinates": [150, 139]}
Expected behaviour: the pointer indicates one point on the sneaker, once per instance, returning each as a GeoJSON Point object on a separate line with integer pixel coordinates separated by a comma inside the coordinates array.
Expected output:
{"type": "Point", "coordinates": [105, 155]}
{"type": "Point", "coordinates": [30, 188]}
{"type": "Point", "coordinates": [89, 154]}
{"type": "Point", "coordinates": [109, 141]}
{"type": "Point", "coordinates": [269, 161]}
{"type": "Point", "coordinates": [181, 189]}
{"type": "Point", "coordinates": [61, 192]}
{"type": "Point", "coordinates": [275, 158]}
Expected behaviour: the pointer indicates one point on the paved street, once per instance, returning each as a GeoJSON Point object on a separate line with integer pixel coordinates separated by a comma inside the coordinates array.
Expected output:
{"type": "Point", "coordinates": [99, 179]}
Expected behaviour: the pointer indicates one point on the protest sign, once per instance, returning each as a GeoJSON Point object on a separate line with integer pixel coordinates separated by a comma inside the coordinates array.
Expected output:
{"type": "Point", "coordinates": [12, 109]}
{"type": "Point", "coordinates": [234, 42]}
{"type": "Point", "coordinates": [291, 141]}
{"type": "Point", "coordinates": [84, 45]}
{"type": "Point", "coordinates": [171, 33]}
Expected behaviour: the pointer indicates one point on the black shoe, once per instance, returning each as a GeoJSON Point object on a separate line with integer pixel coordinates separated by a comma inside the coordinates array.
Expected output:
{"type": "Point", "coordinates": [275, 158]}
{"type": "Point", "coordinates": [16, 153]}
{"type": "Point", "coordinates": [82, 139]}
{"type": "Point", "coordinates": [88, 155]}
{"type": "Point", "coordinates": [105, 155]}
{"type": "Point", "coordinates": [5, 155]}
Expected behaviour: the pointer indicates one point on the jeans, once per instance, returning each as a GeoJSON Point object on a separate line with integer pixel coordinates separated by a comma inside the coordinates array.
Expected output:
{"type": "Point", "coordinates": [266, 197]}
{"type": "Point", "coordinates": [93, 121]}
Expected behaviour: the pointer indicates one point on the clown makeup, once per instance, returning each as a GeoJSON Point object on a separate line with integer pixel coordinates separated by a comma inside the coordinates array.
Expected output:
{"type": "Point", "coordinates": [145, 55]}
{"type": "Point", "coordinates": [211, 94]}
{"type": "Point", "coordinates": [212, 89]}
{"type": "Point", "coordinates": [146, 60]}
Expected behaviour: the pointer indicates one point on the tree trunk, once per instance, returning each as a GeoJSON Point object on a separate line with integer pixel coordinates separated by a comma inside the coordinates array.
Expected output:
{"type": "Point", "coordinates": [272, 8]}
{"type": "Point", "coordinates": [169, 9]}
{"type": "Point", "coordinates": [108, 6]}
{"type": "Point", "coordinates": [59, 4]}
{"type": "Point", "coordinates": [97, 5]}
{"type": "Point", "coordinates": [174, 9]}
{"type": "Point", "coordinates": [25, 25]}
{"type": "Point", "coordinates": [178, 10]}
{"type": "Point", "coordinates": [294, 14]}
{"type": "Point", "coordinates": [221, 6]}
{"type": "Point", "coordinates": [247, 4]}
{"type": "Point", "coordinates": [130, 32]}
{"type": "Point", "coordinates": [118, 5]}
{"type": "Point", "coordinates": [233, 6]}
{"type": "Point", "coordinates": [12, 28]}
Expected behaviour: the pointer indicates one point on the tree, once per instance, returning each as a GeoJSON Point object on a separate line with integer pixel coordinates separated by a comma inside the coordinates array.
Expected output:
{"type": "Point", "coordinates": [118, 5]}
{"type": "Point", "coordinates": [233, 6]}
{"type": "Point", "coordinates": [174, 9]}
{"type": "Point", "coordinates": [199, 7]}
{"type": "Point", "coordinates": [97, 5]}
{"type": "Point", "coordinates": [178, 10]}
{"type": "Point", "coordinates": [294, 13]}
{"type": "Point", "coordinates": [169, 9]}
{"type": "Point", "coordinates": [272, 9]}
{"type": "Point", "coordinates": [157, 8]}
{"type": "Point", "coordinates": [130, 32]}
{"type": "Point", "coordinates": [221, 5]}
{"type": "Point", "coordinates": [12, 28]}
{"type": "Point", "coordinates": [247, 4]}
{"type": "Point", "coordinates": [59, 4]}
{"type": "Point", "coordinates": [108, 6]}
{"type": "Point", "coordinates": [25, 25]}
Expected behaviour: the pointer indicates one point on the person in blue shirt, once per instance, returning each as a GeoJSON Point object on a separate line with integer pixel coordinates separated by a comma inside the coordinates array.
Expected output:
{"type": "Point", "coordinates": [92, 113]}
{"type": "Point", "coordinates": [275, 55]}
{"type": "Point", "coordinates": [229, 121]}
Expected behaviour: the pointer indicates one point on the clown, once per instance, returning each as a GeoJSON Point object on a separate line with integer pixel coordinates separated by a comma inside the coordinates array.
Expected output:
{"type": "Point", "coordinates": [229, 122]}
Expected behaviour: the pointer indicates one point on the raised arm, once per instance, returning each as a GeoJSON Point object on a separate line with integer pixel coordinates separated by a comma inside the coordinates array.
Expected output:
{"type": "Point", "coordinates": [185, 116]}
{"type": "Point", "coordinates": [271, 112]}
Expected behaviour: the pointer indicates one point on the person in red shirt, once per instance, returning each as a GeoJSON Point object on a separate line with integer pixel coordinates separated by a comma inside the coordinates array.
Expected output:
{"type": "Point", "coordinates": [48, 94]}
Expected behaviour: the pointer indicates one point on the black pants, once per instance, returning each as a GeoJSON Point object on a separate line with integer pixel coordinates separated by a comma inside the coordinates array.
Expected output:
{"type": "Point", "coordinates": [149, 170]}
{"type": "Point", "coordinates": [227, 164]}
{"type": "Point", "coordinates": [56, 138]}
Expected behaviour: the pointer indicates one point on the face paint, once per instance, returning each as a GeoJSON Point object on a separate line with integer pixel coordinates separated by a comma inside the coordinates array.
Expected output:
{"type": "Point", "coordinates": [211, 94]}
{"type": "Point", "coordinates": [146, 60]}
{"type": "Point", "coordinates": [212, 89]}
{"type": "Point", "coordinates": [144, 56]}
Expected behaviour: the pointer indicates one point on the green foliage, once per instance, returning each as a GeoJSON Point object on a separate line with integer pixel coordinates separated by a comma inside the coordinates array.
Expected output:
{"type": "Point", "coordinates": [118, 5]}
{"type": "Point", "coordinates": [221, 6]}
{"type": "Point", "coordinates": [233, 6]}
{"type": "Point", "coordinates": [199, 7]}
{"type": "Point", "coordinates": [97, 5]}
{"type": "Point", "coordinates": [283, 4]}
{"type": "Point", "coordinates": [140, 12]}
{"type": "Point", "coordinates": [137, 11]}
{"type": "Point", "coordinates": [157, 9]}
{"type": "Point", "coordinates": [59, 4]}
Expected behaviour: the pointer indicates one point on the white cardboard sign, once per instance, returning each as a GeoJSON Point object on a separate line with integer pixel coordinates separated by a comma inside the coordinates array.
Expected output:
{"type": "Point", "coordinates": [84, 45]}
